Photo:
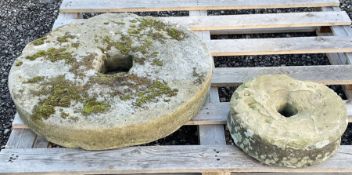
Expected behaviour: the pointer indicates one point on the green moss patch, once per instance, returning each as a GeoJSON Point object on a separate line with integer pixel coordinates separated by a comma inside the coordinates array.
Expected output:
{"type": "Point", "coordinates": [156, 28]}
{"type": "Point", "coordinates": [175, 34]}
{"type": "Point", "coordinates": [19, 63]}
{"type": "Point", "coordinates": [127, 49]}
{"type": "Point", "coordinates": [141, 35]}
{"type": "Point", "coordinates": [157, 62]}
{"type": "Point", "coordinates": [93, 106]}
{"type": "Point", "coordinates": [156, 90]}
{"type": "Point", "coordinates": [60, 93]}
{"type": "Point", "coordinates": [141, 89]}
{"type": "Point", "coordinates": [126, 97]}
{"type": "Point", "coordinates": [75, 45]}
{"type": "Point", "coordinates": [53, 55]}
{"type": "Point", "coordinates": [199, 77]}
{"type": "Point", "coordinates": [40, 53]}
{"type": "Point", "coordinates": [39, 41]}
{"type": "Point", "coordinates": [35, 79]}
{"type": "Point", "coordinates": [116, 80]}
{"type": "Point", "coordinates": [65, 38]}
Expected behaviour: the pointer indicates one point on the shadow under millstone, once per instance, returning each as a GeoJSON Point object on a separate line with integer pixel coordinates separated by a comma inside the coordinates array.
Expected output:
{"type": "Point", "coordinates": [346, 137]}
{"type": "Point", "coordinates": [186, 135]}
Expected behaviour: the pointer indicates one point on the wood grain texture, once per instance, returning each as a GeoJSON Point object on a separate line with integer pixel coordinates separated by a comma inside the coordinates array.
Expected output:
{"type": "Point", "coordinates": [63, 19]}
{"type": "Point", "coordinates": [342, 31]}
{"type": "Point", "coordinates": [213, 134]}
{"type": "Point", "coordinates": [271, 46]}
{"type": "Point", "coordinates": [72, 6]}
{"type": "Point", "coordinates": [153, 159]}
{"type": "Point", "coordinates": [40, 142]}
{"type": "Point", "coordinates": [330, 74]}
{"type": "Point", "coordinates": [20, 138]}
{"type": "Point", "coordinates": [252, 21]}
{"type": "Point", "coordinates": [341, 58]}
{"type": "Point", "coordinates": [209, 134]}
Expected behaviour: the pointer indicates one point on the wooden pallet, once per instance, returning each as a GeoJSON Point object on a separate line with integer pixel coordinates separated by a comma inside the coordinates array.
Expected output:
{"type": "Point", "coordinates": [28, 153]}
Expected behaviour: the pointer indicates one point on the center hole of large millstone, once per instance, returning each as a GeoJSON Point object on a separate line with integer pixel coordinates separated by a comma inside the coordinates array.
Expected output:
{"type": "Point", "coordinates": [288, 110]}
{"type": "Point", "coordinates": [116, 63]}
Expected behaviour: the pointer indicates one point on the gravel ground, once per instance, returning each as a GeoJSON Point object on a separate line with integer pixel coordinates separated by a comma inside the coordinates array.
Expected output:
{"type": "Point", "coordinates": [272, 60]}
{"type": "Point", "coordinates": [23, 21]}
{"type": "Point", "coordinates": [346, 5]}
{"type": "Point", "coordinates": [20, 23]}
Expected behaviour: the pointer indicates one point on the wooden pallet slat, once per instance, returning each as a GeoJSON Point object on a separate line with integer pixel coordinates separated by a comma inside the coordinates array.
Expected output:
{"type": "Point", "coordinates": [210, 134]}
{"type": "Point", "coordinates": [154, 159]}
{"type": "Point", "coordinates": [329, 75]}
{"type": "Point", "coordinates": [20, 138]}
{"type": "Point", "coordinates": [213, 134]}
{"type": "Point", "coordinates": [40, 142]}
{"type": "Point", "coordinates": [64, 19]}
{"type": "Point", "coordinates": [271, 46]}
{"type": "Point", "coordinates": [253, 21]}
{"type": "Point", "coordinates": [74, 6]}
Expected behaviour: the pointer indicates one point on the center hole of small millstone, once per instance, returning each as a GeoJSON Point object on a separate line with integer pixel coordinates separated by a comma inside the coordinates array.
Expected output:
{"type": "Point", "coordinates": [288, 110]}
{"type": "Point", "coordinates": [115, 64]}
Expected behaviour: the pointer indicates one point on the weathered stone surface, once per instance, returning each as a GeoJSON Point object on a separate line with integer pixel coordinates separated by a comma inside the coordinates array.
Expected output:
{"type": "Point", "coordinates": [285, 122]}
{"type": "Point", "coordinates": [111, 81]}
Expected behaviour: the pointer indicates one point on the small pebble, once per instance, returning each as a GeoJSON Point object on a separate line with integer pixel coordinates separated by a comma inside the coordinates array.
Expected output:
{"type": "Point", "coordinates": [6, 131]}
